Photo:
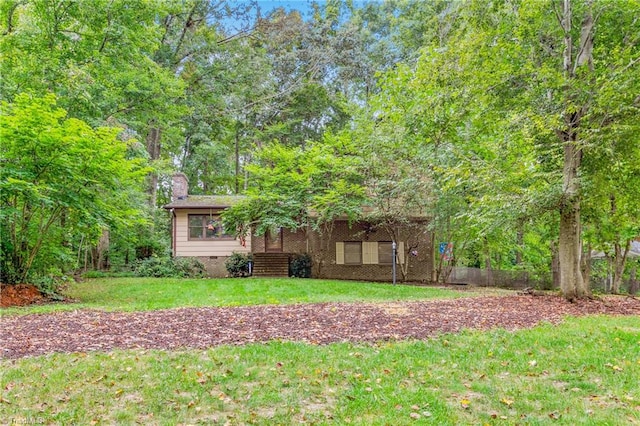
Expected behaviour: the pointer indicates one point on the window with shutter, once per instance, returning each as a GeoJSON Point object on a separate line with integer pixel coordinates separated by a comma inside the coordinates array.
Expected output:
{"type": "Point", "coordinates": [352, 253]}
{"type": "Point", "coordinates": [385, 253]}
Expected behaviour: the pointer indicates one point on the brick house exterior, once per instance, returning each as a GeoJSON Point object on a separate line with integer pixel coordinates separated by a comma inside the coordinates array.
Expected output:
{"type": "Point", "coordinates": [358, 251]}
{"type": "Point", "coordinates": [415, 252]}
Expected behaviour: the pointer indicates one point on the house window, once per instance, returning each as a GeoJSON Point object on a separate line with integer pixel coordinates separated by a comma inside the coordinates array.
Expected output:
{"type": "Point", "coordinates": [352, 253]}
{"type": "Point", "coordinates": [385, 253]}
{"type": "Point", "coordinates": [367, 253]}
{"type": "Point", "coordinates": [206, 227]}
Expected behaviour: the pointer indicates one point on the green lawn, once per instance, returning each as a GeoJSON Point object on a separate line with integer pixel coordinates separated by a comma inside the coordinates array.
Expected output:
{"type": "Point", "coordinates": [585, 371]}
{"type": "Point", "coordinates": [138, 294]}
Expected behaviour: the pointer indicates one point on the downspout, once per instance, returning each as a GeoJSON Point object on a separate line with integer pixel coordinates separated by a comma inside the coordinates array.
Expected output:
{"type": "Point", "coordinates": [173, 236]}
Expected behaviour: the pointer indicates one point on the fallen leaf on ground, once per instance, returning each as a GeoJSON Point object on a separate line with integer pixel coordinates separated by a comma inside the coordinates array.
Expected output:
{"type": "Point", "coordinates": [170, 329]}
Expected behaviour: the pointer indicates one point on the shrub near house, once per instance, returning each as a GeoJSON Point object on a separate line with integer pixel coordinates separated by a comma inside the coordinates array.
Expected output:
{"type": "Point", "coordinates": [238, 265]}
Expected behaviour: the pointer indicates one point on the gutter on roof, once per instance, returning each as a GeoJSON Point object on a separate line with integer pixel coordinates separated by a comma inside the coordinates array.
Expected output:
{"type": "Point", "coordinates": [174, 226]}
{"type": "Point", "coordinates": [195, 206]}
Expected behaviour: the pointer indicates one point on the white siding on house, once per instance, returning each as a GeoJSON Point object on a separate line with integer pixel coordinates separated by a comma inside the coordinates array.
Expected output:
{"type": "Point", "coordinates": [222, 247]}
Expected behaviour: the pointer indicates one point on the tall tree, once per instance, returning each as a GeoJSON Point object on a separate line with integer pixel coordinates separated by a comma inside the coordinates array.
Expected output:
{"type": "Point", "coordinates": [211, 61]}
{"type": "Point", "coordinates": [300, 188]}
{"type": "Point", "coordinates": [96, 57]}
{"type": "Point", "coordinates": [553, 78]}
{"type": "Point", "coordinates": [612, 200]}
{"type": "Point", "coordinates": [59, 176]}
{"type": "Point", "coordinates": [521, 104]}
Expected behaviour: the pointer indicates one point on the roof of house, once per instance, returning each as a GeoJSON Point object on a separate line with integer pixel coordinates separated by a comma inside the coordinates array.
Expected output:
{"type": "Point", "coordinates": [205, 201]}
{"type": "Point", "coordinates": [634, 251]}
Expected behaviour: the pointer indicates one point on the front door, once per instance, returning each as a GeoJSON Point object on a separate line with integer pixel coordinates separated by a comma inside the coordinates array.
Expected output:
{"type": "Point", "coordinates": [273, 241]}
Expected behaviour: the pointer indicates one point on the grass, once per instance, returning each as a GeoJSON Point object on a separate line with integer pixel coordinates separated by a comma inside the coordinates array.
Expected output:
{"type": "Point", "coordinates": [141, 294]}
{"type": "Point", "coordinates": [584, 371]}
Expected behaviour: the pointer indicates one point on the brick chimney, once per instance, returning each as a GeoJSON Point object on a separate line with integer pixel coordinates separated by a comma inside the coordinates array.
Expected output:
{"type": "Point", "coordinates": [180, 187]}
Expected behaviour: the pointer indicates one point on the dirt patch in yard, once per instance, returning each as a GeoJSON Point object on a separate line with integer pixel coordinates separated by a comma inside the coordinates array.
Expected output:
{"type": "Point", "coordinates": [323, 323]}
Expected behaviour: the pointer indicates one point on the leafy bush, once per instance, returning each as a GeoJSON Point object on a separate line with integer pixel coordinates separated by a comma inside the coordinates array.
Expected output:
{"type": "Point", "coordinates": [300, 266]}
{"type": "Point", "coordinates": [167, 267]}
{"type": "Point", "coordinates": [51, 284]}
{"type": "Point", "coordinates": [238, 264]}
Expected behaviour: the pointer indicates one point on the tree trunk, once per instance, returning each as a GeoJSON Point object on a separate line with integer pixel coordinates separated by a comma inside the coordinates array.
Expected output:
{"type": "Point", "coordinates": [520, 244]}
{"type": "Point", "coordinates": [153, 148]}
{"type": "Point", "coordinates": [634, 283]}
{"type": "Point", "coordinates": [608, 279]}
{"type": "Point", "coordinates": [437, 263]}
{"type": "Point", "coordinates": [431, 261]}
{"type": "Point", "coordinates": [619, 261]}
{"type": "Point", "coordinates": [586, 266]}
{"type": "Point", "coordinates": [570, 235]}
{"type": "Point", "coordinates": [237, 154]}
{"type": "Point", "coordinates": [555, 265]}
{"type": "Point", "coordinates": [103, 251]}
{"type": "Point", "coordinates": [487, 265]}
{"type": "Point", "coordinates": [619, 255]}
{"type": "Point", "coordinates": [571, 281]}
{"type": "Point", "coordinates": [322, 243]}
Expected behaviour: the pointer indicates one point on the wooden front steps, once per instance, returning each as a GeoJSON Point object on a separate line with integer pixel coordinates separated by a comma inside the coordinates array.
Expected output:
{"type": "Point", "coordinates": [270, 264]}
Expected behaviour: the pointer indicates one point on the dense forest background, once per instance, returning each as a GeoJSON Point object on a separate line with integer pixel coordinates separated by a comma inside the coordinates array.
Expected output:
{"type": "Point", "coordinates": [514, 125]}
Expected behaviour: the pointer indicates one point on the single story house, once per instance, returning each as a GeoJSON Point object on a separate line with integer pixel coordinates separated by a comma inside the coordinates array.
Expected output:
{"type": "Point", "coordinates": [356, 251]}
{"type": "Point", "coordinates": [196, 228]}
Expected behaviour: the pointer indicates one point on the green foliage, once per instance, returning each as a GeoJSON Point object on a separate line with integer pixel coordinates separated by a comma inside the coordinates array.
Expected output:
{"type": "Point", "coordinates": [60, 179]}
{"type": "Point", "coordinates": [475, 128]}
{"type": "Point", "coordinates": [300, 265]}
{"type": "Point", "coordinates": [238, 264]}
{"type": "Point", "coordinates": [454, 110]}
{"type": "Point", "coordinates": [543, 139]}
{"type": "Point", "coordinates": [97, 58]}
{"type": "Point", "coordinates": [52, 284]}
{"type": "Point", "coordinates": [295, 187]}
{"type": "Point", "coordinates": [169, 267]}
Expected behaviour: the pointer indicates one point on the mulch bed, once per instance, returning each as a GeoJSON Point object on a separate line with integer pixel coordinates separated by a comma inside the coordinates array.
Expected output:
{"type": "Point", "coordinates": [199, 328]}
{"type": "Point", "coordinates": [19, 295]}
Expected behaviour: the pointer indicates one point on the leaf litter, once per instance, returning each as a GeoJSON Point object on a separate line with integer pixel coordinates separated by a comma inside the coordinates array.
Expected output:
{"type": "Point", "coordinates": [322, 323]}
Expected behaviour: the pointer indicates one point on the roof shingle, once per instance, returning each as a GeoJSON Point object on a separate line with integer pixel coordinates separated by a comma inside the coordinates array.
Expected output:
{"type": "Point", "coordinates": [205, 201]}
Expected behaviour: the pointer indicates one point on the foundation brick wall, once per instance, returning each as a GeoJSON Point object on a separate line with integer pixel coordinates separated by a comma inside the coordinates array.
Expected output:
{"type": "Point", "coordinates": [214, 265]}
